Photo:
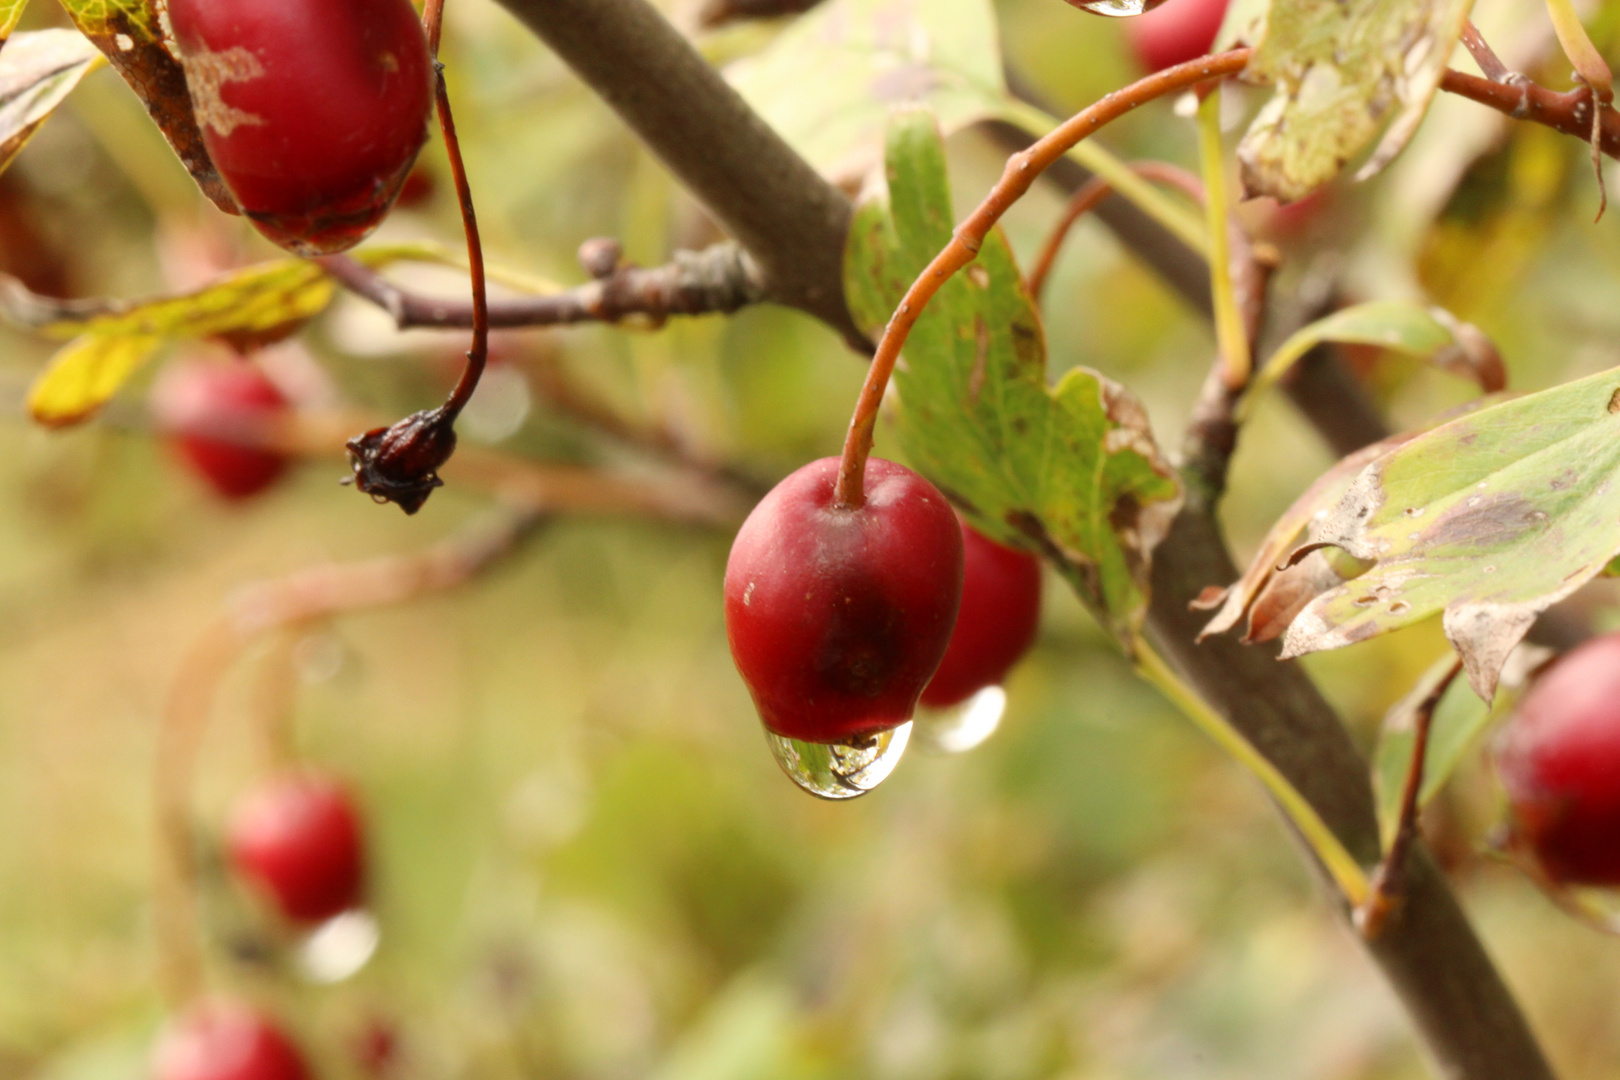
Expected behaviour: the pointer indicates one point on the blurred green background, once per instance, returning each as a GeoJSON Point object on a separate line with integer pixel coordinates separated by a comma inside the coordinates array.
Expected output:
{"type": "Point", "coordinates": [586, 863]}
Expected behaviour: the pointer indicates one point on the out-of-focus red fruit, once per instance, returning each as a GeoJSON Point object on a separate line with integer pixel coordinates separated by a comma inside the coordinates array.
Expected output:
{"type": "Point", "coordinates": [1558, 758]}
{"type": "Point", "coordinates": [298, 839]}
{"type": "Point", "coordinates": [838, 617]}
{"type": "Point", "coordinates": [1001, 610]}
{"type": "Point", "coordinates": [1174, 32]}
{"type": "Point", "coordinates": [312, 110]}
{"type": "Point", "coordinates": [226, 1040]}
{"type": "Point", "coordinates": [201, 404]}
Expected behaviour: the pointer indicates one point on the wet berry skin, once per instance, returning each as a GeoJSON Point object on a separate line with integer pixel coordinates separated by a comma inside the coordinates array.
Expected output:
{"type": "Point", "coordinates": [1174, 32]}
{"type": "Point", "coordinates": [837, 618]}
{"type": "Point", "coordinates": [298, 840]}
{"type": "Point", "coordinates": [1558, 758]}
{"type": "Point", "coordinates": [226, 1040]}
{"type": "Point", "coordinates": [1001, 610]}
{"type": "Point", "coordinates": [312, 110]}
{"type": "Point", "coordinates": [200, 403]}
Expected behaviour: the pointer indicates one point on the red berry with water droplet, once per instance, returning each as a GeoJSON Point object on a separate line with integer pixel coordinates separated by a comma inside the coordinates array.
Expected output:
{"type": "Point", "coordinates": [839, 616]}
{"type": "Point", "coordinates": [312, 110]}
{"type": "Point", "coordinates": [1175, 32]}
{"type": "Point", "coordinates": [212, 411]}
{"type": "Point", "coordinates": [298, 840]}
{"type": "Point", "coordinates": [1558, 758]}
{"type": "Point", "coordinates": [1001, 610]}
{"type": "Point", "coordinates": [227, 1040]}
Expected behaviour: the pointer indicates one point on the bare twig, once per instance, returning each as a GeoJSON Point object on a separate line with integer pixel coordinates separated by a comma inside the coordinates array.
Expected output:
{"type": "Point", "coordinates": [1388, 883]}
{"type": "Point", "coordinates": [1485, 56]}
{"type": "Point", "coordinates": [717, 280]}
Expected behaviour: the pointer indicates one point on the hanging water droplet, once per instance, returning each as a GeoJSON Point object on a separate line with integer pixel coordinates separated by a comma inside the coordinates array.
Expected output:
{"type": "Point", "coordinates": [840, 770]}
{"type": "Point", "coordinates": [339, 947]}
{"type": "Point", "coordinates": [962, 727]}
{"type": "Point", "coordinates": [1117, 8]}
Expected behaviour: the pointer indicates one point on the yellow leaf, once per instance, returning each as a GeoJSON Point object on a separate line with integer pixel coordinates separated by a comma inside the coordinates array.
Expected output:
{"type": "Point", "coordinates": [84, 375]}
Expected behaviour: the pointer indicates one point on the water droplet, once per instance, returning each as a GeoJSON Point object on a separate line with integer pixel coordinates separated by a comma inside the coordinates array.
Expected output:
{"type": "Point", "coordinates": [964, 726]}
{"type": "Point", "coordinates": [841, 770]}
{"type": "Point", "coordinates": [338, 947]}
{"type": "Point", "coordinates": [1116, 8]}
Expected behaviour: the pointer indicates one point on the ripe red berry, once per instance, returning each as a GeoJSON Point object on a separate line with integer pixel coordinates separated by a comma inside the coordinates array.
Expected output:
{"type": "Point", "coordinates": [312, 110]}
{"type": "Point", "coordinates": [1001, 610]}
{"type": "Point", "coordinates": [226, 1040]}
{"type": "Point", "coordinates": [837, 617]}
{"type": "Point", "coordinates": [298, 839]}
{"type": "Point", "coordinates": [1175, 32]}
{"type": "Point", "coordinates": [1558, 757]}
{"type": "Point", "coordinates": [201, 404]}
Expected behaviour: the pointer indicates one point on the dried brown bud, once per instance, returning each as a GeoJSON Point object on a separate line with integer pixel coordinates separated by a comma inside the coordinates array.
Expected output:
{"type": "Point", "coordinates": [400, 464]}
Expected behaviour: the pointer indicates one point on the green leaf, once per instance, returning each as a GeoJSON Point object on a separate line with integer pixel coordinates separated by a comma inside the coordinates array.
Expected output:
{"type": "Point", "coordinates": [37, 73]}
{"type": "Point", "coordinates": [1490, 518]}
{"type": "Point", "coordinates": [1070, 471]}
{"type": "Point", "coordinates": [258, 304]}
{"type": "Point", "coordinates": [130, 34]}
{"type": "Point", "coordinates": [1459, 720]}
{"type": "Point", "coordinates": [1430, 334]}
{"type": "Point", "coordinates": [828, 82]}
{"type": "Point", "coordinates": [1340, 70]}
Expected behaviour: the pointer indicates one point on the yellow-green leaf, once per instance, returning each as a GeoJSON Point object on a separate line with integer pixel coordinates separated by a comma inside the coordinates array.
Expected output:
{"type": "Point", "coordinates": [10, 12]}
{"type": "Point", "coordinates": [82, 377]}
{"type": "Point", "coordinates": [260, 303]}
{"type": "Point", "coordinates": [37, 73]}
{"type": "Point", "coordinates": [1341, 70]}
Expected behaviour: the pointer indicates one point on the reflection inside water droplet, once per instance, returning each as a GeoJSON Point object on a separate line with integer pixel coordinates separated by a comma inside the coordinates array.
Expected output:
{"type": "Point", "coordinates": [339, 947]}
{"type": "Point", "coordinates": [840, 770]}
{"type": "Point", "coordinates": [964, 726]}
{"type": "Point", "coordinates": [1117, 8]}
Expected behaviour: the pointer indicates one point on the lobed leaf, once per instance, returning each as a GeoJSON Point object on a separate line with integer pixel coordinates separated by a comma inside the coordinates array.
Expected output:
{"type": "Point", "coordinates": [1070, 471]}
{"type": "Point", "coordinates": [1340, 70]}
{"type": "Point", "coordinates": [1489, 519]}
{"type": "Point", "coordinates": [829, 81]}
{"type": "Point", "coordinates": [258, 304]}
{"type": "Point", "coordinates": [37, 73]}
{"type": "Point", "coordinates": [132, 37]}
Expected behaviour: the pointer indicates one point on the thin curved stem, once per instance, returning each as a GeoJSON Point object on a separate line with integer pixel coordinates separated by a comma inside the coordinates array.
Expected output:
{"type": "Point", "coordinates": [1090, 195]}
{"type": "Point", "coordinates": [1022, 170]}
{"type": "Point", "coordinates": [1229, 330]}
{"type": "Point", "coordinates": [478, 354]}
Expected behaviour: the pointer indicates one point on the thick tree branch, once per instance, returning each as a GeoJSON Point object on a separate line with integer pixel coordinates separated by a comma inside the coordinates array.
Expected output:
{"type": "Point", "coordinates": [790, 219]}
{"type": "Point", "coordinates": [1466, 1016]}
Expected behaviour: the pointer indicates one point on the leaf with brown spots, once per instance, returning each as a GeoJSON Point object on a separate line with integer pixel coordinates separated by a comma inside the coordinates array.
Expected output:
{"type": "Point", "coordinates": [37, 73]}
{"type": "Point", "coordinates": [1340, 71]}
{"type": "Point", "coordinates": [1488, 519]}
{"type": "Point", "coordinates": [1069, 471]}
{"type": "Point", "coordinates": [131, 36]}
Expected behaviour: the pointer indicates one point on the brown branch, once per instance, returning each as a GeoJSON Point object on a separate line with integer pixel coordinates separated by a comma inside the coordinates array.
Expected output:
{"type": "Point", "coordinates": [717, 280]}
{"type": "Point", "coordinates": [1569, 112]}
{"type": "Point", "coordinates": [1484, 55]}
{"type": "Point", "coordinates": [781, 210]}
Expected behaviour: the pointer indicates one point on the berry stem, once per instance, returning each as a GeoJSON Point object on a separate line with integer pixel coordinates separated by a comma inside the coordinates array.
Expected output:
{"type": "Point", "coordinates": [1087, 198]}
{"type": "Point", "coordinates": [1229, 333]}
{"type": "Point", "coordinates": [1387, 885]}
{"type": "Point", "coordinates": [1022, 170]}
{"type": "Point", "coordinates": [478, 354]}
{"type": "Point", "coordinates": [433, 24]}
{"type": "Point", "coordinates": [1335, 858]}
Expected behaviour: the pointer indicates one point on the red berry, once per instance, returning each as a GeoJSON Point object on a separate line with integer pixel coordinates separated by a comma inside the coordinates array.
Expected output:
{"type": "Point", "coordinates": [1175, 32]}
{"type": "Point", "coordinates": [1559, 759]}
{"type": "Point", "coordinates": [312, 110]}
{"type": "Point", "coordinates": [201, 404]}
{"type": "Point", "coordinates": [298, 839]}
{"type": "Point", "coordinates": [226, 1040]}
{"type": "Point", "coordinates": [1001, 610]}
{"type": "Point", "coordinates": [838, 617]}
